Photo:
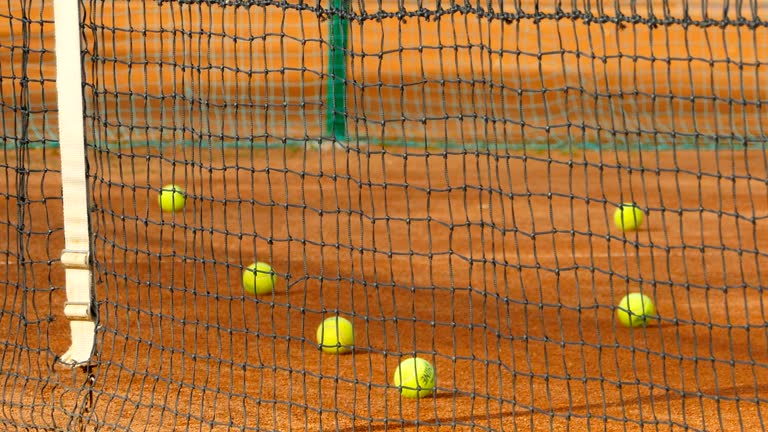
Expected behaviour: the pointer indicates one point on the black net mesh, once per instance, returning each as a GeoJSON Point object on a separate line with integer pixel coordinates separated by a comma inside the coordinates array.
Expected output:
{"type": "Point", "coordinates": [444, 176]}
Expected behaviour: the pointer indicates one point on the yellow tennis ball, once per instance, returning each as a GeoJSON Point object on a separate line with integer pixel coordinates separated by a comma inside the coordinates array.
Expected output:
{"type": "Point", "coordinates": [635, 310]}
{"type": "Point", "coordinates": [171, 198]}
{"type": "Point", "coordinates": [259, 279]}
{"type": "Point", "coordinates": [335, 335]}
{"type": "Point", "coordinates": [628, 217]}
{"type": "Point", "coordinates": [415, 377]}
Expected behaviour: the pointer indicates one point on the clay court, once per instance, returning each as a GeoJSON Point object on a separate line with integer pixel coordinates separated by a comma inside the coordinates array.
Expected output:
{"type": "Point", "coordinates": [486, 247]}
{"type": "Point", "coordinates": [508, 333]}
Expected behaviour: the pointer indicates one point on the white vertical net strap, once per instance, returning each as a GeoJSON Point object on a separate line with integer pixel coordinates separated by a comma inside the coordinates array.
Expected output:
{"type": "Point", "coordinates": [75, 257]}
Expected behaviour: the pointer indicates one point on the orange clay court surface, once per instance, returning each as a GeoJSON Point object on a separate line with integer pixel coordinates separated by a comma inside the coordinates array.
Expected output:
{"type": "Point", "coordinates": [463, 275]}
{"type": "Point", "coordinates": [238, 72]}
{"type": "Point", "coordinates": [181, 345]}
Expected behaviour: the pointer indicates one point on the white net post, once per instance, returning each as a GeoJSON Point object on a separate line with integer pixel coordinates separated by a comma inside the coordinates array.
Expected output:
{"type": "Point", "coordinates": [75, 258]}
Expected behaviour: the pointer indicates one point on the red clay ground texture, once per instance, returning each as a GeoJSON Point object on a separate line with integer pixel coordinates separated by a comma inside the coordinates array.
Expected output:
{"type": "Point", "coordinates": [502, 269]}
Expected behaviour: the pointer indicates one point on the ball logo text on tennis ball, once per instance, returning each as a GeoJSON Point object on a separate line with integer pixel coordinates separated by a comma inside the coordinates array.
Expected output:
{"type": "Point", "coordinates": [171, 198]}
{"type": "Point", "coordinates": [259, 279]}
{"type": "Point", "coordinates": [628, 217]}
{"type": "Point", "coordinates": [336, 335]}
{"type": "Point", "coordinates": [635, 309]}
{"type": "Point", "coordinates": [415, 377]}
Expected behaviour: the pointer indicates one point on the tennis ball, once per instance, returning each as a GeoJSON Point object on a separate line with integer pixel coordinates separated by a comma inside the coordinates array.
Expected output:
{"type": "Point", "coordinates": [628, 217]}
{"type": "Point", "coordinates": [171, 198]}
{"type": "Point", "coordinates": [635, 309]}
{"type": "Point", "coordinates": [259, 279]}
{"type": "Point", "coordinates": [335, 335]}
{"type": "Point", "coordinates": [415, 377]}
